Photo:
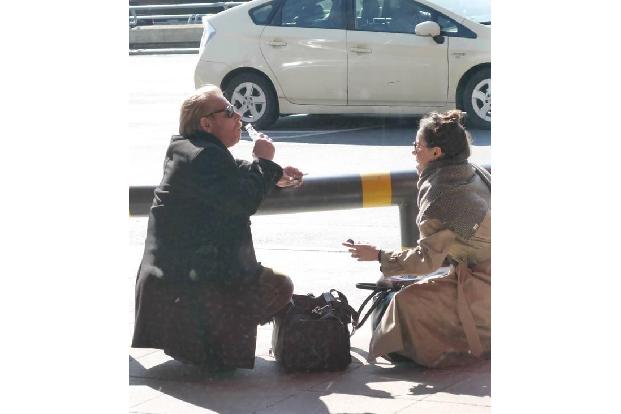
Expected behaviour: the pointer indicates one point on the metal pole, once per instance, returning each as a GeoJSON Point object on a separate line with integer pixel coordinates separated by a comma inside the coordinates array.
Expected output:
{"type": "Point", "coordinates": [407, 219]}
{"type": "Point", "coordinates": [140, 200]}
{"type": "Point", "coordinates": [404, 195]}
{"type": "Point", "coordinates": [186, 5]}
{"type": "Point", "coordinates": [316, 194]}
{"type": "Point", "coordinates": [396, 188]}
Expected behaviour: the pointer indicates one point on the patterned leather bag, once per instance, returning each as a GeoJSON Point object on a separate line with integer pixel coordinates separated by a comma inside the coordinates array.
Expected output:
{"type": "Point", "coordinates": [313, 334]}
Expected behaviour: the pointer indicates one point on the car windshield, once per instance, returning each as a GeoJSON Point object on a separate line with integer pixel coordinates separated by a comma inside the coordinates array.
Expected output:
{"type": "Point", "coordinates": [476, 10]}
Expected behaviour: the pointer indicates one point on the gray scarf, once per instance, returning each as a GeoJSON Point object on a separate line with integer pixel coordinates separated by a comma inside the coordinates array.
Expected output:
{"type": "Point", "coordinates": [455, 192]}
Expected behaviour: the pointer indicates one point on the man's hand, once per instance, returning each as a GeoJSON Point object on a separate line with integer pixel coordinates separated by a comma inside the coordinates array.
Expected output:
{"type": "Point", "coordinates": [263, 148]}
{"type": "Point", "coordinates": [364, 252]}
{"type": "Point", "coordinates": [291, 176]}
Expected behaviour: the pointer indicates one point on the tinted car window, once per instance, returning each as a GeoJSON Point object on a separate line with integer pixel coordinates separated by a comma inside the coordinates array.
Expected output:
{"type": "Point", "coordinates": [402, 16]}
{"type": "Point", "coordinates": [260, 15]}
{"type": "Point", "coordinates": [325, 14]}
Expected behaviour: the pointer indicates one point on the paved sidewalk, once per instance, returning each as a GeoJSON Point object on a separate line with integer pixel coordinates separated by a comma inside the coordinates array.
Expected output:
{"type": "Point", "coordinates": [158, 384]}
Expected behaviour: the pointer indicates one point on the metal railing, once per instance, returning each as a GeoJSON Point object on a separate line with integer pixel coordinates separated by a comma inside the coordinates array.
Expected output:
{"type": "Point", "coordinates": [150, 12]}
{"type": "Point", "coordinates": [395, 188]}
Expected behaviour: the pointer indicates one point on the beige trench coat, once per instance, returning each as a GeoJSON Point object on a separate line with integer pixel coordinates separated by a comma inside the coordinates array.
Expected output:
{"type": "Point", "coordinates": [446, 320]}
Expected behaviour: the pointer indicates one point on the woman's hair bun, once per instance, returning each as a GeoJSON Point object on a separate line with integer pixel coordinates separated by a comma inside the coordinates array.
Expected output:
{"type": "Point", "coordinates": [447, 121]}
{"type": "Point", "coordinates": [446, 130]}
{"type": "Point", "coordinates": [454, 116]}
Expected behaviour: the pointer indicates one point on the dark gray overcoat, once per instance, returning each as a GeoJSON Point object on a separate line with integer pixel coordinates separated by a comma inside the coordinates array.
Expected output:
{"type": "Point", "coordinates": [199, 265]}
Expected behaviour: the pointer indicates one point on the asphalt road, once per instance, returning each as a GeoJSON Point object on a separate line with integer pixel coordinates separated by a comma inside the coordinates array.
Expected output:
{"type": "Point", "coordinates": [304, 245]}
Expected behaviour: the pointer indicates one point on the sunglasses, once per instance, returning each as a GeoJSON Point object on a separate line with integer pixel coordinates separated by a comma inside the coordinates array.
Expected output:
{"type": "Point", "coordinates": [229, 111]}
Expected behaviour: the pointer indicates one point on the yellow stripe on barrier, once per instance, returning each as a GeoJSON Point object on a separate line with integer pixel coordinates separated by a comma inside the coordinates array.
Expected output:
{"type": "Point", "coordinates": [376, 189]}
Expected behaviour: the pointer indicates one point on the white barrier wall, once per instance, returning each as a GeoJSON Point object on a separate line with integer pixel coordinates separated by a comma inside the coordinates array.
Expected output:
{"type": "Point", "coordinates": [162, 34]}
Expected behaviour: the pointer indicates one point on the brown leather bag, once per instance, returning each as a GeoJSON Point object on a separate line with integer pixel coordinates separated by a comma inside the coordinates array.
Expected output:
{"type": "Point", "coordinates": [313, 334]}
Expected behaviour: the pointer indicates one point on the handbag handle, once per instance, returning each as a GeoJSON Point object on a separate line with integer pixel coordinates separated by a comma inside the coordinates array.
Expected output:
{"type": "Point", "coordinates": [341, 296]}
{"type": "Point", "coordinates": [380, 295]}
{"type": "Point", "coordinates": [372, 286]}
{"type": "Point", "coordinates": [343, 304]}
{"type": "Point", "coordinates": [379, 292]}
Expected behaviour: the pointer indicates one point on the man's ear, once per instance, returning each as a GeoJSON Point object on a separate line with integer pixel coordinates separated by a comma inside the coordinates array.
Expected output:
{"type": "Point", "coordinates": [437, 152]}
{"type": "Point", "coordinates": [205, 124]}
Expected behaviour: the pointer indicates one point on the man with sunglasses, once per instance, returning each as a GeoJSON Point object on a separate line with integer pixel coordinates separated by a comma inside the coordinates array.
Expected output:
{"type": "Point", "coordinates": [200, 291]}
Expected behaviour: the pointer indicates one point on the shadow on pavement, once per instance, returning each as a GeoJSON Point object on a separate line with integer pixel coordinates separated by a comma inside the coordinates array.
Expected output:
{"type": "Point", "coordinates": [304, 121]}
{"type": "Point", "coordinates": [432, 381]}
{"type": "Point", "coordinates": [244, 390]}
{"type": "Point", "coordinates": [268, 388]}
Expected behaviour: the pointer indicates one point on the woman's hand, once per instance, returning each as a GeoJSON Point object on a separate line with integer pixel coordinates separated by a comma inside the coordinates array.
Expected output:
{"type": "Point", "coordinates": [362, 251]}
{"type": "Point", "coordinates": [291, 176]}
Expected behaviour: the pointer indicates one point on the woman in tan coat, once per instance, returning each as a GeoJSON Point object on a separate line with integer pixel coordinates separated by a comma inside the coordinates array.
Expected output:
{"type": "Point", "coordinates": [440, 321]}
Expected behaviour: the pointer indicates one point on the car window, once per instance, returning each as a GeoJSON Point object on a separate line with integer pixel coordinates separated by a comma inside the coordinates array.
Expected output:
{"type": "Point", "coordinates": [325, 14]}
{"type": "Point", "coordinates": [398, 16]}
{"type": "Point", "coordinates": [261, 14]}
{"type": "Point", "coordinates": [477, 10]}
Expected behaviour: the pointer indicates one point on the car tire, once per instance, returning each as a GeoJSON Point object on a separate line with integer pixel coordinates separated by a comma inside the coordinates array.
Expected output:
{"type": "Point", "coordinates": [254, 99]}
{"type": "Point", "coordinates": [477, 100]}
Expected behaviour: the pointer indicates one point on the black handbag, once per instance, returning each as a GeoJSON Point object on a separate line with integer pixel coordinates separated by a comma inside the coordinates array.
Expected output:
{"type": "Point", "coordinates": [313, 334]}
{"type": "Point", "coordinates": [380, 297]}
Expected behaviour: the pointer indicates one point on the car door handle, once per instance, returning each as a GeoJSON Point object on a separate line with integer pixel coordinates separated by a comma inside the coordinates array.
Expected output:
{"type": "Point", "coordinates": [360, 50]}
{"type": "Point", "coordinates": [277, 43]}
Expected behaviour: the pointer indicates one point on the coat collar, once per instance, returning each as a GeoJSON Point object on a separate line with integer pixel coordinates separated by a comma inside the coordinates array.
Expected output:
{"type": "Point", "coordinates": [201, 138]}
{"type": "Point", "coordinates": [433, 167]}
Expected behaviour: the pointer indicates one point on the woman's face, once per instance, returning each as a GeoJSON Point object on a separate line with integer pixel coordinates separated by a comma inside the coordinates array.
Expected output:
{"type": "Point", "coordinates": [424, 155]}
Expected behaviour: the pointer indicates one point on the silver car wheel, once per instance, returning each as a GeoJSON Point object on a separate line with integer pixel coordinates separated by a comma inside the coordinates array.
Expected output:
{"type": "Point", "coordinates": [482, 100]}
{"type": "Point", "coordinates": [249, 100]}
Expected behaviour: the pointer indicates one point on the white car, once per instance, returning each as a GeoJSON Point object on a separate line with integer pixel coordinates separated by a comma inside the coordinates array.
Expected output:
{"type": "Point", "coordinates": [277, 57]}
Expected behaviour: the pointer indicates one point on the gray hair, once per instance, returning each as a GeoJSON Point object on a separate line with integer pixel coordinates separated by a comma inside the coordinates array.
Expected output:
{"type": "Point", "coordinates": [195, 107]}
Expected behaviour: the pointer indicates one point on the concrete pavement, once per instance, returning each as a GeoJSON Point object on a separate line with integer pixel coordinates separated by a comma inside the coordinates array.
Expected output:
{"type": "Point", "coordinates": [159, 384]}
{"type": "Point", "coordinates": [316, 262]}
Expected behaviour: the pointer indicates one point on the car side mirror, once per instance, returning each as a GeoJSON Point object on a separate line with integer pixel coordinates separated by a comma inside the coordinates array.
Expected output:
{"type": "Point", "coordinates": [428, 28]}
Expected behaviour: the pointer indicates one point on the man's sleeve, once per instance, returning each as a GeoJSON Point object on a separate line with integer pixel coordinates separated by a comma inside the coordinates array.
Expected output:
{"type": "Point", "coordinates": [236, 187]}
